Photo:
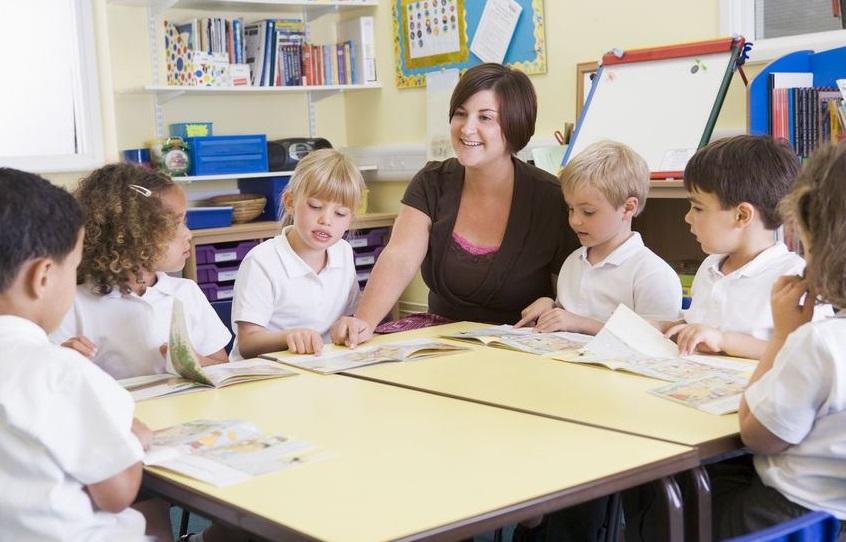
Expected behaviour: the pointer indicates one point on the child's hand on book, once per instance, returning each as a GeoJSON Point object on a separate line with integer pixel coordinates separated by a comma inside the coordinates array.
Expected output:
{"type": "Point", "coordinates": [143, 433]}
{"type": "Point", "coordinates": [530, 314]}
{"type": "Point", "coordinates": [82, 345]}
{"type": "Point", "coordinates": [304, 341]}
{"type": "Point", "coordinates": [691, 338]}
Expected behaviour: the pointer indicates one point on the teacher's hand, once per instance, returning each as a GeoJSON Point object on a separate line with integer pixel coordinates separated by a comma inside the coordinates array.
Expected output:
{"type": "Point", "coordinates": [350, 331]}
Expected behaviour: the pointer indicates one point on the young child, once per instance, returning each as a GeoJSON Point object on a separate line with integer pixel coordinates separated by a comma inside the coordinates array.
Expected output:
{"type": "Point", "coordinates": [793, 412]}
{"type": "Point", "coordinates": [605, 186]}
{"type": "Point", "coordinates": [290, 289]}
{"type": "Point", "coordinates": [734, 185]}
{"type": "Point", "coordinates": [135, 235]}
{"type": "Point", "coordinates": [71, 449]}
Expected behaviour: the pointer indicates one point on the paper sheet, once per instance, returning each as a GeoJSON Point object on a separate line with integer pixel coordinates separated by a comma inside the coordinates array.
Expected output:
{"type": "Point", "coordinates": [495, 30]}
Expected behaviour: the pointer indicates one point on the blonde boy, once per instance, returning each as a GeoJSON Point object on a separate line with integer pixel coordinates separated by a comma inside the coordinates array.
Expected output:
{"type": "Point", "coordinates": [734, 185]}
{"type": "Point", "coordinates": [71, 458]}
{"type": "Point", "coordinates": [605, 186]}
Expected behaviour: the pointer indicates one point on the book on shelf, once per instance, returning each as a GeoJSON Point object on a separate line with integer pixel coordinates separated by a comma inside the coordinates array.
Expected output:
{"type": "Point", "coordinates": [184, 372]}
{"type": "Point", "coordinates": [629, 343]}
{"type": "Point", "coordinates": [224, 452]}
{"type": "Point", "coordinates": [524, 339]}
{"type": "Point", "coordinates": [335, 361]}
{"type": "Point", "coordinates": [359, 32]}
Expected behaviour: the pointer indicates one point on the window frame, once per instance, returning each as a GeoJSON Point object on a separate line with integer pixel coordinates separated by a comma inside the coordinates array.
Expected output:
{"type": "Point", "coordinates": [87, 113]}
{"type": "Point", "coordinates": [738, 17]}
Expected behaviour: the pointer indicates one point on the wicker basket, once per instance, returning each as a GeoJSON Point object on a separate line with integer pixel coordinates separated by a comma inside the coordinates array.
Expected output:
{"type": "Point", "coordinates": [245, 207]}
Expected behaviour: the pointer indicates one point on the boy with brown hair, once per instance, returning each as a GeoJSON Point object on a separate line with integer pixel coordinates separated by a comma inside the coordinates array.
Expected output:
{"type": "Point", "coordinates": [71, 448]}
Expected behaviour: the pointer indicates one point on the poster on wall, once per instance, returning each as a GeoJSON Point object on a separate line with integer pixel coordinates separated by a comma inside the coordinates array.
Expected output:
{"type": "Point", "coordinates": [432, 35]}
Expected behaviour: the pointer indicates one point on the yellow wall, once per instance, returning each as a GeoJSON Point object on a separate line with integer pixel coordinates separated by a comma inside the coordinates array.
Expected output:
{"type": "Point", "coordinates": [575, 32]}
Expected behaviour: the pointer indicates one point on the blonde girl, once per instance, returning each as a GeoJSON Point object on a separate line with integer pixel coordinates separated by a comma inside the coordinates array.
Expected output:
{"type": "Point", "coordinates": [291, 288]}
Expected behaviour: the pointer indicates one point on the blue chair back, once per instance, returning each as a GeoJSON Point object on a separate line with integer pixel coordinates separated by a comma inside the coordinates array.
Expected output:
{"type": "Point", "coordinates": [812, 527]}
{"type": "Point", "coordinates": [224, 311]}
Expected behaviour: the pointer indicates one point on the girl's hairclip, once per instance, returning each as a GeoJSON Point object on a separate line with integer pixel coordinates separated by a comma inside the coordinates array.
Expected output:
{"type": "Point", "coordinates": [144, 191]}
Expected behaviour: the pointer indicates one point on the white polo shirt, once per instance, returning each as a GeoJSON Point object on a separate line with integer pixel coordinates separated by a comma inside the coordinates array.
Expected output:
{"type": "Point", "coordinates": [128, 330]}
{"type": "Point", "coordinates": [632, 275]}
{"type": "Point", "coordinates": [740, 301]}
{"type": "Point", "coordinates": [277, 290]}
{"type": "Point", "coordinates": [65, 424]}
{"type": "Point", "coordinates": [802, 400]}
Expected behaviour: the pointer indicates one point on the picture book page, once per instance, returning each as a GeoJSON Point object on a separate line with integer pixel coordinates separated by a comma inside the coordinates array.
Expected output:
{"type": "Point", "coordinates": [715, 393]}
{"type": "Point", "coordinates": [333, 361]}
{"type": "Point", "coordinates": [525, 339]}
{"type": "Point", "coordinates": [224, 452]}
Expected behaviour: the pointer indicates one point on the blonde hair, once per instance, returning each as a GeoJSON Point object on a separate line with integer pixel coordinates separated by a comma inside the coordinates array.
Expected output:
{"type": "Point", "coordinates": [329, 175]}
{"type": "Point", "coordinates": [817, 206]}
{"type": "Point", "coordinates": [615, 169]}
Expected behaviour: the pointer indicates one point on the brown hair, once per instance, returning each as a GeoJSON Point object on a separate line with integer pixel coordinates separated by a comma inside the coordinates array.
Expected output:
{"type": "Point", "coordinates": [518, 103]}
{"type": "Point", "coordinates": [127, 228]}
{"type": "Point", "coordinates": [817, 206]}
{"type": "Point", "coordinates": [754, 169]}
{"type": "Point", "coordinates": [615, 169]}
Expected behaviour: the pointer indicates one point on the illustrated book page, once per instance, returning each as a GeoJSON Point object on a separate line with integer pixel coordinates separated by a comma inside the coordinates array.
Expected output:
{"type": "Point", "coordinates": [334, 361]}
{"type": "Point", "coordinates": [184, 372]}
{"type": "Point", "coordinates": [525, 339]}
{"type": "Point", "coordinates": [629, 343]}
{"type": "Point", "coordinates": [224, 452]}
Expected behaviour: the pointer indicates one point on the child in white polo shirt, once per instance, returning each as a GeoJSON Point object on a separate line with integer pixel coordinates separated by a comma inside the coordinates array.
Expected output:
{"type": "Point", "coordinates": [135, 234]}
{"type": "Point", "coordinates": [734, 185]}
{"type": "Point", "coordinates": [290, 289]}
{"type": "Point", "coordinates": [793, 412]}
{"type": "Point", "coordinates": [605, 186]}
{"type": "Point", "coordinates": [71, 449]}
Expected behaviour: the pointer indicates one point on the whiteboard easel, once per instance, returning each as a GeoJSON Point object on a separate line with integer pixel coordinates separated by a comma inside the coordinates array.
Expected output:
{"type": "Point", "coordinates": [663, 102]}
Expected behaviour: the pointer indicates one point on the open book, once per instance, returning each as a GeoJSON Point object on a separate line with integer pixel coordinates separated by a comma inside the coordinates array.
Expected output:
{"type": "Point", "coordinates": [184, 372]}
{"type": "Point", "coordinates": [629, 343]}
{"type": "Point", "coordinates": [524, 339]}
{"type": "Point", "coordinates": [223, 452]}
{"type": "Point", "coordinates": [335, 361]}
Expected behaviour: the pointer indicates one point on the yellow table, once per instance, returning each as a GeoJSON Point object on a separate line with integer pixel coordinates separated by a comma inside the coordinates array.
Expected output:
{"type": "Point", "coordinates": [587, 394]}
{"type": "Point", "coordinates": [409, 465]}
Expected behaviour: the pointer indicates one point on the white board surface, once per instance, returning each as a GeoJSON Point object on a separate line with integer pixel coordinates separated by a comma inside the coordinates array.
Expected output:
{"type": "Point", "coordinates": [660, 108]}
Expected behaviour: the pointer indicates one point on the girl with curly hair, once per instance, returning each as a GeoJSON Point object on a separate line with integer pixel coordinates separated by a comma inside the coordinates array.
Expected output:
{"type": "Point", "coordinates": [135, 234]}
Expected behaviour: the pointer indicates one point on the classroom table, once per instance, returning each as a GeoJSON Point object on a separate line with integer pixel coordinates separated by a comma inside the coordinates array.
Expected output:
{"type": "Point", "coordinates": [588, 394]}
{"type": "Point", "coordinates": [404, 465]}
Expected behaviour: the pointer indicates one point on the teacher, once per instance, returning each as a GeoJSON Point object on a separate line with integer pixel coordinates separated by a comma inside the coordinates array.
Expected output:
{"type": "Point", "coordinates": [487, 231]}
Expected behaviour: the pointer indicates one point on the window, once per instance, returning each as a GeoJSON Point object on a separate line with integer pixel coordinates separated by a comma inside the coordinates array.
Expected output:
{"type": "Point", "coordinates": [50, 118]}
{"type": "Point", "coordinates": [778, 27]}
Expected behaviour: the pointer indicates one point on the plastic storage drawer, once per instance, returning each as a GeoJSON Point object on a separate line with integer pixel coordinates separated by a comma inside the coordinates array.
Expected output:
{"type": "Point", "coordinates": [216, 292]}
{"type": "Point", "coordinates": [366, 257]}
{"type": "Point", "coordinates": [198, 218]}
{"type": "Point", "coordinates": [223, 252]}
{"type": "Point", "coordinates": [216, 273]}
{"type": "Point", "coordinates": [221, 155]}
{"type": "Point", "coordinates": [372, 238]}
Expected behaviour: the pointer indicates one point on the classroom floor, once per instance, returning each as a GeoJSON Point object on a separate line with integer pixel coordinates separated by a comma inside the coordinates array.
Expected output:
{"type": "Point", "coordinates": [197, 523]}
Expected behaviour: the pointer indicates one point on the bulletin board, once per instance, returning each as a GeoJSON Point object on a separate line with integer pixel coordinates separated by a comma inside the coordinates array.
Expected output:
{"type": "Point", "coordinates": [663, 102]}
{"type": "Point", "coordinates": [436, 34]}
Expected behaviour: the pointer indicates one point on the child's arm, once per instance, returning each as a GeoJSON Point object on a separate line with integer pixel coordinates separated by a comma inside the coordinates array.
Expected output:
{"type": "Point", "coordinates": [254, 339]}
{"type": "Point", "coordinates": [115, 494]}
{"type": "Point", "coordinates": [213, 359]}
{"type": "Point", "coordinates": [83, 345]}
{"type": "Point", "coordinates": [788, 315]}
{"type": "Point", "coordinates": [564, 320]}
{"type": "Point", "coordinates": [531, 313]}
{"type": "Point", "coordinates": [701, 338]}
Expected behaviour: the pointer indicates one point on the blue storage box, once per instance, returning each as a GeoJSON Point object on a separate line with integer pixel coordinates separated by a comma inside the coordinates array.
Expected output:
{"type": "Point", "coordinates": [269, 187]}
{"type": "Point", "coordinates": [191, 129]}
{"type": "Point", "coordinates": [222, 155]}
{"type": "Point", "coordinates": [199, 218]}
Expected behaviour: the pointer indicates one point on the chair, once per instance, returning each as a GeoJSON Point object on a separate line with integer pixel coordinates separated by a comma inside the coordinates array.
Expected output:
{"type": "Point", "coordinates": [812, 527]}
